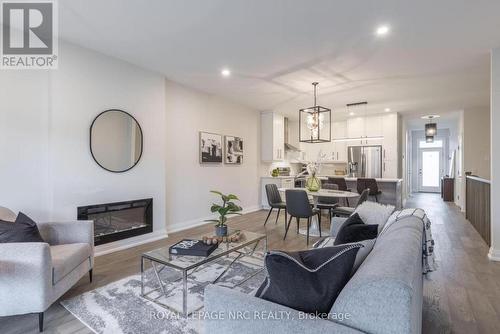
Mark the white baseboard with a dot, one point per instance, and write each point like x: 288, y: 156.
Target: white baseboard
x: 494, y: 254
x: 130, y: 242
x: 181, y: 226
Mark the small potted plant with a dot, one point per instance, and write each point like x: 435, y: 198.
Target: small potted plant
x: 228, y: 207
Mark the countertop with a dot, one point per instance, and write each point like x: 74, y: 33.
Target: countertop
x: 323, y: 177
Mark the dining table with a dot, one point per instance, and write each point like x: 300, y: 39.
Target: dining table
x: 315, y: 195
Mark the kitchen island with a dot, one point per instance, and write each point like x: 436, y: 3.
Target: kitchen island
x: 392, y: 190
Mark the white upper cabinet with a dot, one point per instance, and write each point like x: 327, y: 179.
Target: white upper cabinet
x: 272, y: 136
x: 374, y: 126
x: 339, y: 130
x: 356, y: 127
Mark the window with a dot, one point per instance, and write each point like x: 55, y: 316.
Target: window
x: 435, y: 144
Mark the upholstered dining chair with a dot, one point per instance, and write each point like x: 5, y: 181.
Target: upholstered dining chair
x: 346, y: 211
x: 275, y: 202
x: 368, y: 183
x: 342, y: 184
x: 328, y: 203
x: 298, y: 206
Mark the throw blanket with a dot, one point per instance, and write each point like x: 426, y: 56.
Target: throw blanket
x: 428, y: 263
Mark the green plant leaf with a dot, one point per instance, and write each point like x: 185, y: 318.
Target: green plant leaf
x: 211, y: 220
x: 215, y: 207
x: 217, y: 192
x: 231, y: 196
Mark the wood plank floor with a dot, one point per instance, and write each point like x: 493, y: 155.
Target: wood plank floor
x: 462, y: 296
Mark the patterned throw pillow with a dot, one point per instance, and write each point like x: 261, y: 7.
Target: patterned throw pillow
x: 310, y: 280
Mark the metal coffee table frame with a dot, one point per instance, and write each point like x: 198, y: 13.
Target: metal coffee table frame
x: 158, y: 265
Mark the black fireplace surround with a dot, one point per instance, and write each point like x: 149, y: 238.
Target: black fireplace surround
x: 119, y: 220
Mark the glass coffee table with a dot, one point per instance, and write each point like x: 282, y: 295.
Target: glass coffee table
x: 161, y: 258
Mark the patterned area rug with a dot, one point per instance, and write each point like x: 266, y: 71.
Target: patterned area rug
x: 119, y: 308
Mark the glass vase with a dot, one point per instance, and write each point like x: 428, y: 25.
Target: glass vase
x: 313, y: 183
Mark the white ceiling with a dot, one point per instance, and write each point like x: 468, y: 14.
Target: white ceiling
x: 435, y: 59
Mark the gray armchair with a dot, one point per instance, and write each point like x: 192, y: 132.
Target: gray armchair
x: 34, y: 275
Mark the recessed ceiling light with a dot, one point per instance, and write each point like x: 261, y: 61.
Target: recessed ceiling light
x: 387, y: 109
x: 225, y: 72
x: 351, y: 114
x: 382, y: 30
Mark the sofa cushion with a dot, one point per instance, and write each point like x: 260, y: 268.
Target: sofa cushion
x: 65, y: 258
x: 308, y: 281
x: 22, y: 230
x: 375, y: 213
x: 354, y: 229
x: 7, y: 215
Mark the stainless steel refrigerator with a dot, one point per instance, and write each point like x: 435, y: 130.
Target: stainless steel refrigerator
x: 365, y: 161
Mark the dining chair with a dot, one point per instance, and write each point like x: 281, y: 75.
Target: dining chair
x: 328, y: 203
x: 275, y: 202
x: 345, y: 211
x: 342, y: 184
x: 298, y: 206
x: 368, y: 183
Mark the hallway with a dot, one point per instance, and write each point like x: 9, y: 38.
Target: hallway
x: 463, y: 295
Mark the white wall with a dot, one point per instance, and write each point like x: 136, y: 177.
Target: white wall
x: 494, y: 253
x: 476, y: 143
x: 188, y: 182
x: 47, y: 169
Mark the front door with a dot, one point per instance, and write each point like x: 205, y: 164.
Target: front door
x: 430, y: 169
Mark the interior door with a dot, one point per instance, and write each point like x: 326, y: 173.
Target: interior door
x: 430, y: 169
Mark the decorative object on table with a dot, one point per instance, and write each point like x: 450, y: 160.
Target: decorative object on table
x: 192, y: 247
x: 116, y: 140
x: 228, y: 207
x: 210, y: 147
x: 315, y: 123
x: 318, y: 277
x: 215, y: 240
x: 312, y: 168
x: 234, y: 150
x: 354, y: 229
x: 275, y: 172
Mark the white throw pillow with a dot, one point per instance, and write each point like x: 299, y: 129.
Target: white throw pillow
x: 374, y: 213
x: 7, y: 215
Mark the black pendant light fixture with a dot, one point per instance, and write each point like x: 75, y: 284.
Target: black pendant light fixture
x: 430, y: 128
x: 315, y: 123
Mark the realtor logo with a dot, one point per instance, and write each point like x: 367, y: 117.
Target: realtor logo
x: 29, y: 35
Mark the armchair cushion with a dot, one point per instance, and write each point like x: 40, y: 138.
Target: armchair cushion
x: 22, y: 230
x: 65, y: 258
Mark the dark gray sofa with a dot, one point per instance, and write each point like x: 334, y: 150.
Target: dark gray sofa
x: 383, y: 296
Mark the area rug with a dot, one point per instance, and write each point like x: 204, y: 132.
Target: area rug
x: 119, y: 308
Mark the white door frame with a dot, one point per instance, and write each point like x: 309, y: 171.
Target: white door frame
x: 422, y: 188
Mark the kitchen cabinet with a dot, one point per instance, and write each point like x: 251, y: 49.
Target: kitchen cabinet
x: 363, y: 127
x: 390, y: 155
x: 272, y: 137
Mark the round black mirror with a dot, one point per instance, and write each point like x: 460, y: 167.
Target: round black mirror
x: 116, y: 140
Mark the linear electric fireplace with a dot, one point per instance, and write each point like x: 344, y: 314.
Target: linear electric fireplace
x: 120, y: 220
